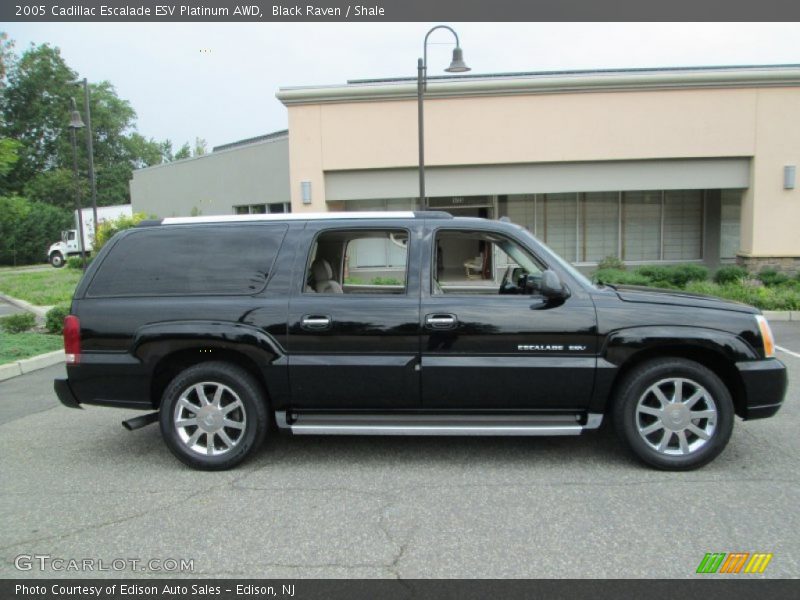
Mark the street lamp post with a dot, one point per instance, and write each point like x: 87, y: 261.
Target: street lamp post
x: 457, y: 65
x: 89, y: 149
x: 76, y: 123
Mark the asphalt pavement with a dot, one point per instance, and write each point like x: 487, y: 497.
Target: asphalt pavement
x: 75, y: 484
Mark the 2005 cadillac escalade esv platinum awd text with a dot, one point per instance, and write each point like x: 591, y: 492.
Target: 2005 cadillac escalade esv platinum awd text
x: 401, y: 324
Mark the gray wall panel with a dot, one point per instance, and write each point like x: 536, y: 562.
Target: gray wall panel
x: 675, y: 174
x: 212, y: 184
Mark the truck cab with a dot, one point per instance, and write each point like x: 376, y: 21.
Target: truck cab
x: 70, y: 245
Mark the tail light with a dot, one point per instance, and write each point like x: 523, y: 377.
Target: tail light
x: 72, y: 339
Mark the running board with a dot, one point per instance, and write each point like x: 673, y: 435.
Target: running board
x: 487, y: 425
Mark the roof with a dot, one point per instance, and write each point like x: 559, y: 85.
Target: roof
x: 267, y: 137
x: 548, y: 82
x: 261, y: 139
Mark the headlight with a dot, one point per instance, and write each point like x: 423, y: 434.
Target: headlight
x: 766, y: 336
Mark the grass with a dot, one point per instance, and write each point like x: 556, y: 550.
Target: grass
x: 16, y: 346
x: 43, y: 288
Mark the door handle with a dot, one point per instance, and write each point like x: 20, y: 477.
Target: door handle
x: 439, y: 321
x: 315, y: 322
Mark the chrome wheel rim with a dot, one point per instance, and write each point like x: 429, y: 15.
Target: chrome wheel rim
x: 676, y: 416
x: 209, y: 418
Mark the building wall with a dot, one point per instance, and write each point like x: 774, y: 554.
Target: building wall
x: 757, y: 123
x: 213, y: 184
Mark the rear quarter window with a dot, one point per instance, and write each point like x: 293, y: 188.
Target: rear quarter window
x: 180, y: 260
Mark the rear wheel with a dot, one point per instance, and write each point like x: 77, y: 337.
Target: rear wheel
x: 674, y: 414
x: 57, y: 260
x: 213, y: 415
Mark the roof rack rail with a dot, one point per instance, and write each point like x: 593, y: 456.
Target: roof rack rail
x: 420, y: 214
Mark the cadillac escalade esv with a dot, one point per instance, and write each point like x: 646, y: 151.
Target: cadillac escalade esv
x: 405, y: 323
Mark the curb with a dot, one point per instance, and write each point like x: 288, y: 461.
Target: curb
x: 28, y: 365
x: 39, y: 311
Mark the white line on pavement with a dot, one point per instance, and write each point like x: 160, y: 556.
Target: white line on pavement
x: 795, y: 354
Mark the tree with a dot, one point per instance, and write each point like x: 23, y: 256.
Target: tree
x: 200, y: 146
x: 28, y: 228
x: 35, y: 109
x: 185, y: 151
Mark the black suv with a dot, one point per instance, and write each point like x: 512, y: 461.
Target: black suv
x: 401, y: 324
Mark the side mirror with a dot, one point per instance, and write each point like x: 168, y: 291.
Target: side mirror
x: 551, y: 286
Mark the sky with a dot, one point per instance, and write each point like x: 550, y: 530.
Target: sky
x: 217, y: 81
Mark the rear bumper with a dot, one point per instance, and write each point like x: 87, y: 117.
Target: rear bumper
x: 764, y: 387
x: 64, y: 393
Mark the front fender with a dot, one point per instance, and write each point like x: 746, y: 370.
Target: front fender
x: 622, y: 345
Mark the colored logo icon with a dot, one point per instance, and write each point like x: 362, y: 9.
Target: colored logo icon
x: 734, y: 562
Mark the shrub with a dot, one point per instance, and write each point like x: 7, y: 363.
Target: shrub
x: 677, y: 276
x: 76, y: 262
x: 771, y: 277
x: 18, y: 323
x: 703, y: 287
x: 731, y: 274
x: 28, y: 228
x: 618, y: 276
x: 54, y: 320
x: 611, y: 262
x: 385, y: 281
x: 107, y: 229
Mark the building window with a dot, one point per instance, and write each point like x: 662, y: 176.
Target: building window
x: 637, y: 226
x: 683, y: 225
x: 599, y: 224
x: 730, y: 223
x: 641, y: 226
x: 261, y: 209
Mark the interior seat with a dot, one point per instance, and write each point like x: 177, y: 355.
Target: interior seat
x: 324, y: 283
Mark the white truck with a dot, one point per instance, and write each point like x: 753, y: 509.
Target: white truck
x: 70, y: 244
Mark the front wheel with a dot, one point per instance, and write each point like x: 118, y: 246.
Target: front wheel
x: 213, y: 415
x: 57, y: 260
x: 674, y: 414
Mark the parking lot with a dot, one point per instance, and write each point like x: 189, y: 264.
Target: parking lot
x: 75, y: 484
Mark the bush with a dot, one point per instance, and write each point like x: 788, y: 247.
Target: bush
x: 732, y: 274
x: 108, y: 229
x: 611, y: 262
x: 771, y: 277
x: 677, y: 276
x: 385, y: 281
x: 28, y: 228
x: 18, y: 323
x: 54, y: 320
x: 618, y: 276
x: 76, y: 262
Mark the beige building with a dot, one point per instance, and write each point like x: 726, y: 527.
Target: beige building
x: 690, y: 164
x: 649, y: 165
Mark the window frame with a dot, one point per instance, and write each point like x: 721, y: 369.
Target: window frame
x: 284, y: 228
x: 354, y: 229
x: 485, y: 232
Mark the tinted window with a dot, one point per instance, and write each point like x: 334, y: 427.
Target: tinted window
x: 190, y: 260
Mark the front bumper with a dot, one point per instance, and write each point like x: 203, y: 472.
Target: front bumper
x: 765, y: 384
x: 64, y: 393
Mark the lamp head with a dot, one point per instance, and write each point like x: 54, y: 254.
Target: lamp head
x: 457, y: 65
x: 75, y: 121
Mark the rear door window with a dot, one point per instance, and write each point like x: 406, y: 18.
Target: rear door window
x: 205, y: 260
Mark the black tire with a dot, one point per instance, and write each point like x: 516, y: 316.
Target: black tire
x: 241, y: 402
x: 57, y: 260
x: 639, y: 409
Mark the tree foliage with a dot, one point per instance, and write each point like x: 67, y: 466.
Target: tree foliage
x: 35, y: 108
x: 28, y: 228
x: 108, y: 228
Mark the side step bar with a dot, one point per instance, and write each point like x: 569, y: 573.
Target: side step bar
x: 486, y: 425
